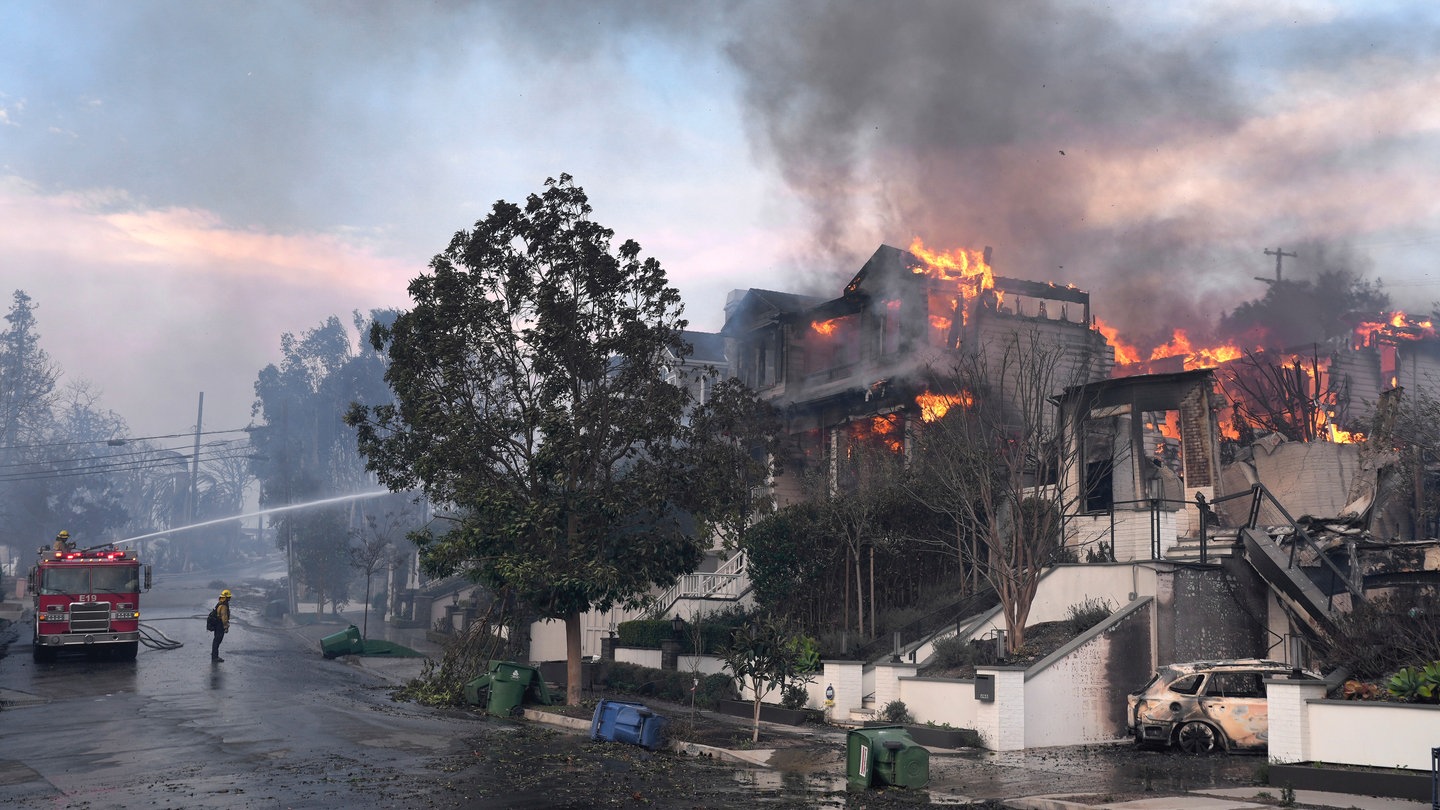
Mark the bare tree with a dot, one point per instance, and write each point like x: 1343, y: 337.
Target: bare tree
x: 993, y: 466
x: 376, y: 550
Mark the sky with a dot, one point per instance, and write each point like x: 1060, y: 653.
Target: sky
x: 183, y: 183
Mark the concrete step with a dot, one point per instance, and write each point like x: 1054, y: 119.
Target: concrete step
x: 1187, y: 549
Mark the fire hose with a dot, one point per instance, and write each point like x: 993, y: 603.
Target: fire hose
x: 148, y: 638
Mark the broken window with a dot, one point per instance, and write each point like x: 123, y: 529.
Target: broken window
x: 1235, y: 684
x: 1098, y: 449
x: 1187, y: 685
x: 1162, y: 439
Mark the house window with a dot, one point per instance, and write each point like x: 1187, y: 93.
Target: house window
x: 1098, y: 449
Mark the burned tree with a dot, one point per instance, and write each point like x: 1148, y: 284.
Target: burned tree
x: 1295, y: 396
x: 993, y: 467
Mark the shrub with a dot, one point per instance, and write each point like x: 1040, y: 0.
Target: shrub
x: 954, y: 652
x: 1419, y: 684
x: 674, y: 686
x: 796, y: 696
x: 896, y: 712
x: 1087, y: 614
x: 1379, y: 636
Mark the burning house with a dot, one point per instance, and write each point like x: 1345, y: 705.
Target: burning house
x: 869, y: 365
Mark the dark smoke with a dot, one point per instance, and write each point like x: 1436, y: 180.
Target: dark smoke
x: 972, y: 124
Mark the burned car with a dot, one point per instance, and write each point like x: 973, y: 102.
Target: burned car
x: 1205, y: 706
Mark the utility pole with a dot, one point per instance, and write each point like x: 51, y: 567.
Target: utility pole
x: 194, y: 463
x: 1279, y: 254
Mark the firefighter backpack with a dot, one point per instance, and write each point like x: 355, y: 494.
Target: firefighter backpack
x: 212, y: 622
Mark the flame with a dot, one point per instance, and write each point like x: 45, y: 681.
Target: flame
x: 826, y: 328
x: 1125, y: 354
x: 1339, y: 436
x: 884, y: 430
x: 938, y: 322
x: 962, y: 265
x: 1395, y: 326
x: 935, y: 406
x: 964, y: 270
x: 1204, y: 357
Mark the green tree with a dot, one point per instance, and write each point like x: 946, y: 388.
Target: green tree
x: 789, y: 555
x: 27, y: 391
x: 533, y: 402
x: 763, y: 657
x: 304, y: 451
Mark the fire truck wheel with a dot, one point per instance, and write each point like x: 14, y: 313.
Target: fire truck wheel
x: 42, y: 654
x: 126, y: 651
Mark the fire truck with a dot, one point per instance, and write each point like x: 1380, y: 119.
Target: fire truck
x: 87, y: 600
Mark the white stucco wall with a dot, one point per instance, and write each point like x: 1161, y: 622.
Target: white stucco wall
x: 638, y: 655
x: 1070, y: 700
x: 942, y: 701
x: 1067, y: 585
x: 1378, y: 735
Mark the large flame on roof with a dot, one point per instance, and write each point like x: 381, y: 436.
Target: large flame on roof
x: 961, y: 265
x: 1202, y: 357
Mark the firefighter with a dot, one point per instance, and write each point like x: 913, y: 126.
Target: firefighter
x: 222, y: 612
x: 62, y: 541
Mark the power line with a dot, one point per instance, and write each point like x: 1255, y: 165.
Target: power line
x: 83, y: 467
x: 121, y: 441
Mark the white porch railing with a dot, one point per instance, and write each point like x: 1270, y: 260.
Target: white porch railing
x: 729, y: 582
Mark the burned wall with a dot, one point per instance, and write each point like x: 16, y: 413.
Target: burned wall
x: 1208, y: 612
x: 1307, y: 478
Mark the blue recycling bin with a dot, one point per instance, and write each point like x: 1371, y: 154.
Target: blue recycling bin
x: 633, y: 723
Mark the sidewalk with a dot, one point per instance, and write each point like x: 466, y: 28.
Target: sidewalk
x: 1246, y: 798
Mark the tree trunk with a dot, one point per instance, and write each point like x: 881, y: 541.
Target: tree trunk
x: 572, y: 659
x: 755, y: 729
x: 860, y: 595
x: 872, y: 592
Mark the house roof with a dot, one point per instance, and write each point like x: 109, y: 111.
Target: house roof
x: 757, y: 305
x: 708, y: 347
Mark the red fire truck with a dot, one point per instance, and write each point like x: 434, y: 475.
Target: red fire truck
x: 87, y: 600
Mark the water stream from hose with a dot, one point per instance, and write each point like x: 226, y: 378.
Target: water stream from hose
x: 272, y: 510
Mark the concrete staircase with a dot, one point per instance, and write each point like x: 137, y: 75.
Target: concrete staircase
x: 1220, y: 544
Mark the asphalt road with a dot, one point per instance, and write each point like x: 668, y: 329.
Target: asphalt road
x: 274, y: 725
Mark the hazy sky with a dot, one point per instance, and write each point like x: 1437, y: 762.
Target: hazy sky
x: 182, y: 182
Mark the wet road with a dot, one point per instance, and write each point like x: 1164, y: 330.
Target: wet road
x: 275, y: 725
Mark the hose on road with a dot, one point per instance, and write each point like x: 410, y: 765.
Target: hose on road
x: 148, y: 638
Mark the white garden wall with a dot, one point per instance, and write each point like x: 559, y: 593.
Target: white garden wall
x: 1304, y: 727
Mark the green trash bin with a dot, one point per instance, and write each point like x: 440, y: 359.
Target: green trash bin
x: 510, y: 685
x: 885, y: 755
x: 347, y: 642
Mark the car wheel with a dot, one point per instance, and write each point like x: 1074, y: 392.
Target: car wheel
x: 1198, y: 738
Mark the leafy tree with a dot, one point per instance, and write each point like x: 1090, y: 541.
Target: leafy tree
x: 532, y: 400
x: 27, y: 392
x: 991, y: 467
x: 763, y: 657
x: 789, y: 555
x: 86, y: 497
x: 304, y: 449
x: 322, y: 558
